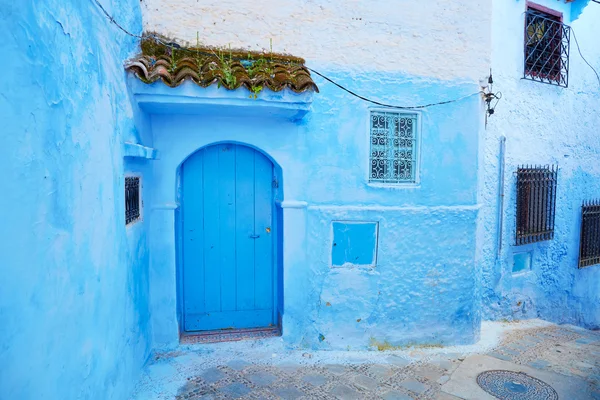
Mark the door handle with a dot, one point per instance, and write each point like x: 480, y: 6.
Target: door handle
x: 254, y: 236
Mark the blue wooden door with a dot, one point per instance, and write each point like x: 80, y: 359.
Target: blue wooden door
x: 227, y: 239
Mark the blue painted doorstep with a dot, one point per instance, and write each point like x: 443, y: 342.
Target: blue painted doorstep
x: 227, y: 239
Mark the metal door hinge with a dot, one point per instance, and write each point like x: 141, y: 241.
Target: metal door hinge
x: 275, y: 183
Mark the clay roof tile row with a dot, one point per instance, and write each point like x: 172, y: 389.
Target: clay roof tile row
x: 204, y: 69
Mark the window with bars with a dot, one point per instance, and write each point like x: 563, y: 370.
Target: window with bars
x: 589, y: 240
x: 536, y: 203
x: 132, y: 199
x: 547, y: 45
x: 394, y: 146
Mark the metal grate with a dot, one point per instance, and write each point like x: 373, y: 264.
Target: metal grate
x: 393, y: 147
x: 589, y: 241
x: 132, y: 199
x: 536, y: 202
x: 547, y: 45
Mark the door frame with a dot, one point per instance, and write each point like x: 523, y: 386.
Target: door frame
x: 277, y: 226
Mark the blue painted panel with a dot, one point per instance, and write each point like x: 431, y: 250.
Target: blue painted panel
x: 228, y: 244
x: 211, y: 229
x: 263, y: 229
x: 354, y: 243
x: 193, y: 249
x: 226, y: 188
x: 245, y: 227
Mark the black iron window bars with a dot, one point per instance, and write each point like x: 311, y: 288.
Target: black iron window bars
x: 132, y: 199
x: 589, y: 240
x: 536, y: 203
x: 547, y: 44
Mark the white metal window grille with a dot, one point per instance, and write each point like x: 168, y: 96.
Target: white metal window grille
x: 393, y: 157
x: 132, y: 199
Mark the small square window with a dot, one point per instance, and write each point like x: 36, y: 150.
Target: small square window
x: 394, y: 146
x: 132, y: 199
x: 536, y: 203
x: 546, y: 48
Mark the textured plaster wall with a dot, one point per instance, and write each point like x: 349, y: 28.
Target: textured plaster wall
x: 423, y: 289
x: 543, y: 124
x: 74, y: 317
x: 437, y: 38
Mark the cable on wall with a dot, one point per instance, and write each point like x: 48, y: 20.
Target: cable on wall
x: 586, y: 61
x: 389, y: 105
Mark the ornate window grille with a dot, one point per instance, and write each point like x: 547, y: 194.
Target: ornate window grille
x: 536, y: 203
x: 589, y: 241
x: 132, y: 199
x: 547, y: 44
x: 393, y: 157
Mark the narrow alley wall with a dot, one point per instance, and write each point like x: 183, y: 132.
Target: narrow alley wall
x: 543, y: 124
x: 74, y: 321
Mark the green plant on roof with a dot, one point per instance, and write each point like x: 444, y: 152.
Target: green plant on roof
x: 255, y: 91
x: 173, y: 61
x: 229, y: 78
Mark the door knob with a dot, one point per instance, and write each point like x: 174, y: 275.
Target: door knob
x: 254, y: 236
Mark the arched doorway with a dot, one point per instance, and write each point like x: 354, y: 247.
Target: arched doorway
x: 229, y: 239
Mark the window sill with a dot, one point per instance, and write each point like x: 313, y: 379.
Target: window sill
x: 394, y: 186
x: 133, y: 224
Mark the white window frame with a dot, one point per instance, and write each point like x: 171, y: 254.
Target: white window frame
x: 141, y: 201
x: 417, y: 149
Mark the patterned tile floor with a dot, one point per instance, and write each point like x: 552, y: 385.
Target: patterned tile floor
x: 264, y: 369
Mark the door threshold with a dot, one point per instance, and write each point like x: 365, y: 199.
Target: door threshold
x: 228, y: 335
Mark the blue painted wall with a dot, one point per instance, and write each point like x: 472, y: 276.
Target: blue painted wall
x: 74, y: 317
x: 543, y: 124
x: 423, y: 288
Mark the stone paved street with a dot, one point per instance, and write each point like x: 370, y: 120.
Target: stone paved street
x: 566, y: 357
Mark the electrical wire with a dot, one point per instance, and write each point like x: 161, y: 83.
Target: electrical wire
x: 586, y: 61
x: 389, y: 105
x: 110, y: 17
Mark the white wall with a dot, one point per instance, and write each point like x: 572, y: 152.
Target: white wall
x: 437, y: 38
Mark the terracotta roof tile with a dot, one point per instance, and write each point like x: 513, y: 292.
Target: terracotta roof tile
x: 232, y: 70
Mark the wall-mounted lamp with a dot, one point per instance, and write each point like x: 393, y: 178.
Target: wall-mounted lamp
x: 491, y: 99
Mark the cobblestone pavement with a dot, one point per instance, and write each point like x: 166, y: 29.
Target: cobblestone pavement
x: 263, y: 369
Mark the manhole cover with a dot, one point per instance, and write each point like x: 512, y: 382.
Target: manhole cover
x: 509, y: 385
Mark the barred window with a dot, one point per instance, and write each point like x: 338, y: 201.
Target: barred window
x: 132, y: 199
x: 536, y: 203
x: 546, y: 48
x: 589, y: 241
x: 394, y: 139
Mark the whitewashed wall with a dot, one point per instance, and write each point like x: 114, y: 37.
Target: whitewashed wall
x: 434, y: 38
x: 543, y: 124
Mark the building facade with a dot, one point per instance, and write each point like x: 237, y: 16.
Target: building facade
x: 229, y: 175
x: 544, y: 124
x: 377, y: 205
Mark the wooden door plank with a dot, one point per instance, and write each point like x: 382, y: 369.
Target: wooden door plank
x: 227, y: 226
x: 263, y: 221
x: 212, y: 253
x: 193, y: 257
x: 244, y: 243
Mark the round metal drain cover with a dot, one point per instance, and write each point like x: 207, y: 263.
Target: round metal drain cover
x: 509, y: 385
